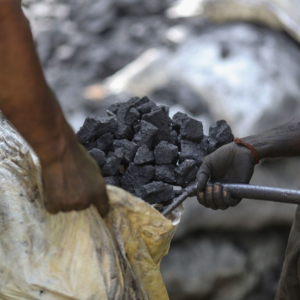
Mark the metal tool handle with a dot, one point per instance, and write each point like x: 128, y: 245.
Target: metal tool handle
x: 253, y: 192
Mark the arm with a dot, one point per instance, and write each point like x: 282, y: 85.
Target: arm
x: 71, y: 178
x: 235, y: 164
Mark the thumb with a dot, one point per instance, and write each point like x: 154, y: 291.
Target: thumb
x: 204, y: 173
x: 102, y: 203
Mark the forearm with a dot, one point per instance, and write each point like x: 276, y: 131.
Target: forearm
x: 25, y: 97
x: 280, y: 141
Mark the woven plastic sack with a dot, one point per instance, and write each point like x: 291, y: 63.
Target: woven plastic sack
x: 76, y: 255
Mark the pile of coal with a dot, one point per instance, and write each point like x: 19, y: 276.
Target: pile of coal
x: 141, y: 149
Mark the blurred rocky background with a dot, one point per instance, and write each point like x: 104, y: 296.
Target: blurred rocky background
x: 236, y: 60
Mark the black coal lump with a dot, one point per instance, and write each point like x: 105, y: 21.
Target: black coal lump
x: 137, y: 102
x: 99, y: 156
x: 145, y: 135
x: 112, y: 165
x: 159, y: 118
x: 156, y: 192
x: 105, y: 142
x: 112, y: 180
x: 127, y: 149
x: 219, y: 134
x: 94, y: 127
x: 126, y: 116
x: 114, y: 108
x: 177, y: 120
x: 143, y: 156
x: 191, y: 129
x: 192, y: 150
x: 165, y: 173
x: 146, y: 107
x: 136, y: 176
x: 165, y: 153
x: 186, y: 172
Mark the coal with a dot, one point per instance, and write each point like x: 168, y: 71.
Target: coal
x: 136, y: 102
x: 126, y: 116
x: 99, y: 156
x: 219, y: 134
x: 159, y: 118
x: 186, y: 172
x: 126, y: 149
x: 137, y: 176
x: 165, y: 173
x: 165, y: 153
x: 112, y: 165
x: 94, y: 127
x: 142, y: 150
x: 156, y: 192
x: 177, y: 120
x: 144, y: 156
x: 112, y: 180
x: 105, y: 142
x: 193, y: 150
x: 114, y: 108
x: 146, y: 134
x: 191, y: 129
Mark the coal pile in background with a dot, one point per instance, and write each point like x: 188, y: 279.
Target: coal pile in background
x: 141, y: 149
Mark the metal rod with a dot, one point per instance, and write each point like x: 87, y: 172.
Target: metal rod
x: 243, y: 191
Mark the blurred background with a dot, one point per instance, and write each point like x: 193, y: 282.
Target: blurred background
x: 237, y: 60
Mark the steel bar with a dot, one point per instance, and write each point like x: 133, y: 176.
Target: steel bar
x: 253, y: 192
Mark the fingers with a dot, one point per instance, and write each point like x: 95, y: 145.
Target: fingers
x: 215, y: 197
x: 228, y: 199
x: 102, y: 203
x: 204, y: 173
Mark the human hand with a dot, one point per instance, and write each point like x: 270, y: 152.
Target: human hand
x: 74, y: 182
x: 229, y: 164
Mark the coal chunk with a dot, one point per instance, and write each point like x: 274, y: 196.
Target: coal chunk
x: 159, y: 118
x: 146, y: 108
x: 186, y: 172
x: 156, y: 192
x: 144, y: 156
x: 136, y: 126
x: 146, y: 134
x: 191, y: 129
x: 105, y: 142
x: 177, y: 120
x: 136, y: 102
x: 90, y: 146
x: 112, y: 180
x: 165, y: 173
x: 126, y: 149
x: 99, y: 156
x: 112, y: 165
x: 136, y: 176
x: 193, y: 150
x: 126, y: 116
x: 94, y: 127
x: 114, y: 108
x: 219, y: 134
x: 165, y: 153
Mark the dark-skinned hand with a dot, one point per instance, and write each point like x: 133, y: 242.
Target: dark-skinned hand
x: 229, y: 164
x: 74, y: 182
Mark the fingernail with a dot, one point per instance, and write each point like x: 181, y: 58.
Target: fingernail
x: 201, y: 194
x: 209, y: 189
x: 217, y: 188
x: 224, y: 193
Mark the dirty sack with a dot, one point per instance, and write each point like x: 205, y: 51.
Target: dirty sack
x: 76, y: 255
